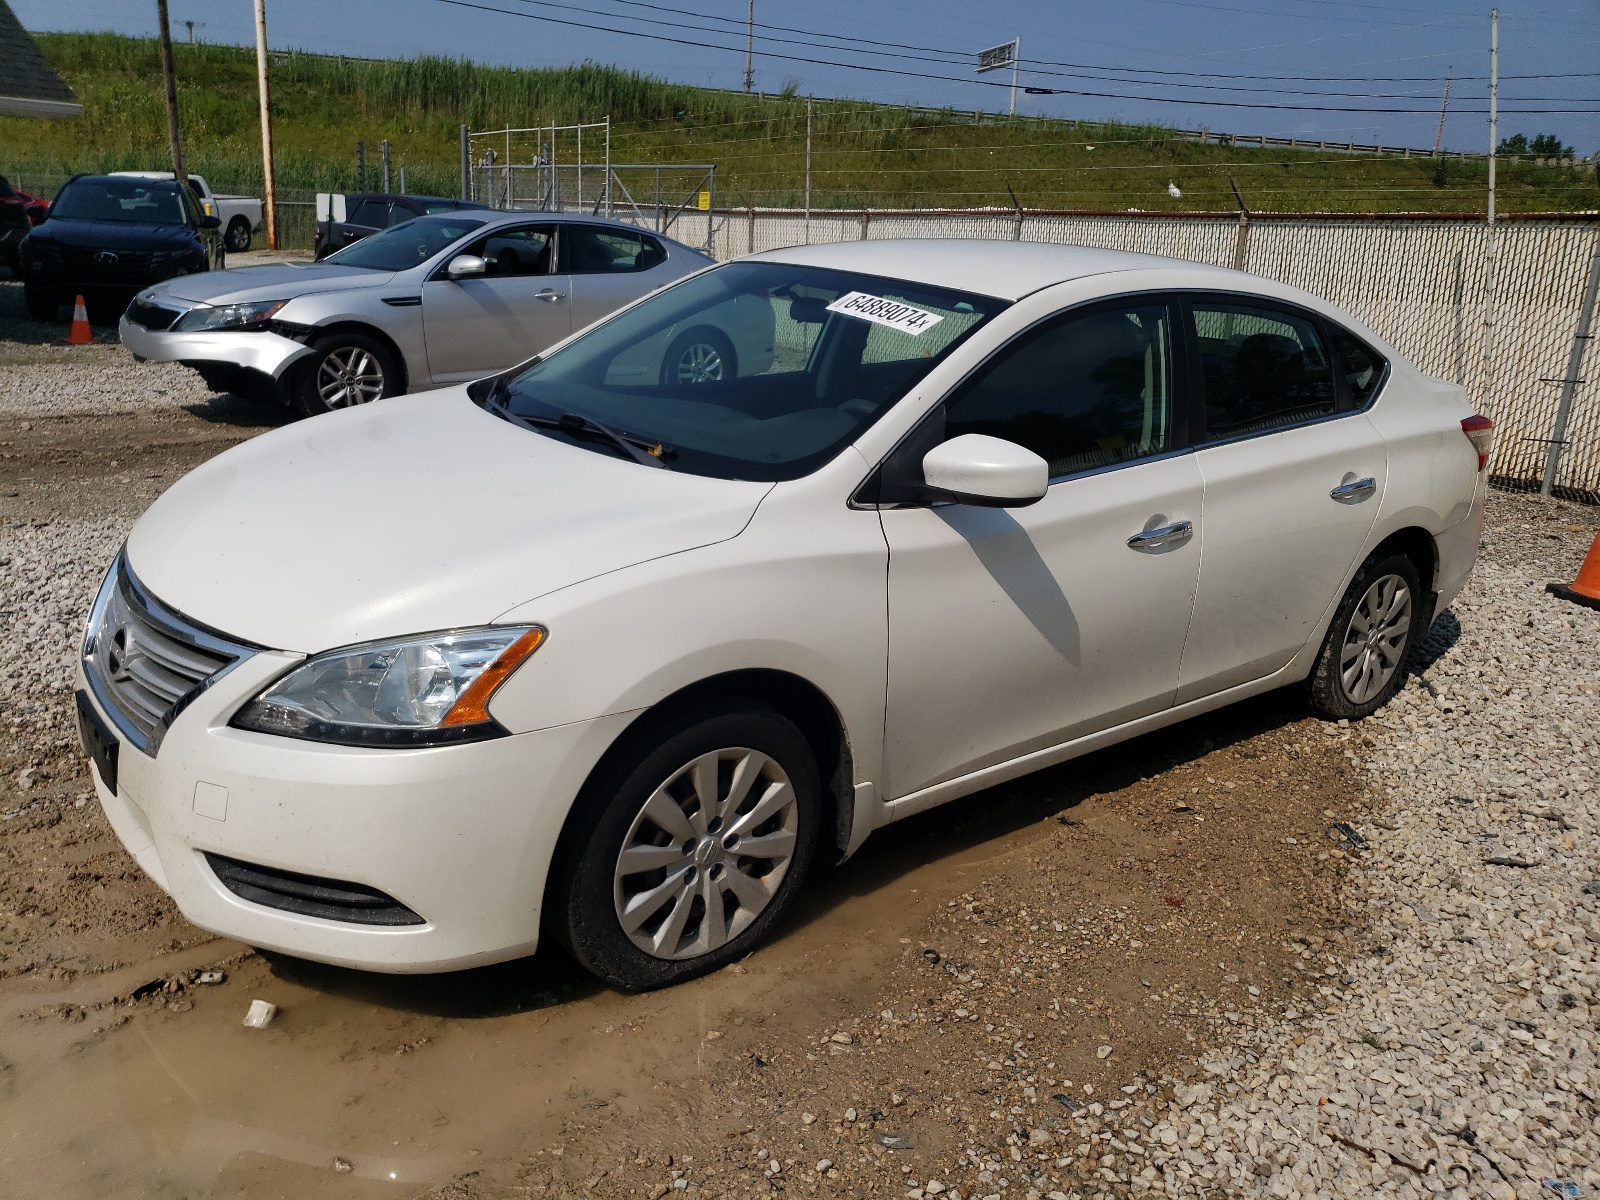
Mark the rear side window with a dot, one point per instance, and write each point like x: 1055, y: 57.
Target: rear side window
x: 593, y: 251
x: 374, y: 214
x: 1363, y: 366
x: 1264, y: 368
x: 1084, y: 391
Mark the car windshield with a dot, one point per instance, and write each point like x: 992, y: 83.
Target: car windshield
x: 134, y: 201
x: 401, y: 247
x: 754, y: 370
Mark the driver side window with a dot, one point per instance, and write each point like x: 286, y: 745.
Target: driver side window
x: 1083, y: 391
x: 520, y: 250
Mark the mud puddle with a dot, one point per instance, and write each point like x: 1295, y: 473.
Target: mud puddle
x: 119, y: 1083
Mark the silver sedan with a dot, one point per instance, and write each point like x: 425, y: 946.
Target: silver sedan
x: 438, y: 300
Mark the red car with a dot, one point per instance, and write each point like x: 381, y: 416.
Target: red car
x: 16, y: 220
x: 38, y: 209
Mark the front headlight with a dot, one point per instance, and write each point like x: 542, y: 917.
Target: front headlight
x: 229, y: 316
x: 414, y: 692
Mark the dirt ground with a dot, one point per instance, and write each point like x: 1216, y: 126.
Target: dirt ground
x: 975, y: 975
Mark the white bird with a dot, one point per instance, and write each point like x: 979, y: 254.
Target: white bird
x: 1174, y: 190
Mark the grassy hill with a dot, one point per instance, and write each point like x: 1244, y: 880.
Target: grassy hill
x: 863, y: 153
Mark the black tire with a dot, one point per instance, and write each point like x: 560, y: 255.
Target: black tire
x: 378, y: 373
x: 42, y: 305
x: 699, y: 356
x: 238, y: 236
x: 1362, y: 663
x: 586, y: 893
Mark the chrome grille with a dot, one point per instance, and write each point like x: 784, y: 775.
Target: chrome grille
x: 146, y: 662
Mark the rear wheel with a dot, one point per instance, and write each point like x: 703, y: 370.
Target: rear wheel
x: 1362, y: 661
x: 699, y: 356
x: 693, y: 849
x: 238, y: 235
x: 42, y: 305
x: 344, y: 370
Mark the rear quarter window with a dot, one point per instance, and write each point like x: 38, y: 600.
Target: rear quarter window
x: 1363, y: 367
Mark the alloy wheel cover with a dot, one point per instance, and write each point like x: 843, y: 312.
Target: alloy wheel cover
x: 1375, y: 639
x: 706, y: 853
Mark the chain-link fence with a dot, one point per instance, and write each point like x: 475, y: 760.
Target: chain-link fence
x: 1420, y: 282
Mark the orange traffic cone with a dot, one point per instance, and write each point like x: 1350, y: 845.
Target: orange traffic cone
x: 80, y: 335
x: 1585, y: 589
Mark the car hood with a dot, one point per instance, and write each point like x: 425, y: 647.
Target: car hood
x: 115, y: 235
x: 410, y: 515
x: 283, y: 281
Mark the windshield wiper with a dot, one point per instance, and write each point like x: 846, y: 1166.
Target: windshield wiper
x: 650, y: 454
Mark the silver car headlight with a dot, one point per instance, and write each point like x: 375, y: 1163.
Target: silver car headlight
x: 229, y: 316
x: 429, y: 690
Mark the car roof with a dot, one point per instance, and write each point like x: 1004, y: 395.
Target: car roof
x: 1004, y: 270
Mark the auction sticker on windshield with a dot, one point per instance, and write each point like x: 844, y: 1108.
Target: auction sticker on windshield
x: 892, y: 313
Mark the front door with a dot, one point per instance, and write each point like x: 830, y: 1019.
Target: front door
x: 477, y: 326
x: 1293, y: 480
x: 1014, y: 630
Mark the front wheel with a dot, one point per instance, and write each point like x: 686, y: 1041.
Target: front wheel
x: 692, y: 850
x: 343, y: 370
x: 1362, y: 661
x: 238, y: 236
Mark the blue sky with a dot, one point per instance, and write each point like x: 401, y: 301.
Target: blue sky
x: 1207, y: 45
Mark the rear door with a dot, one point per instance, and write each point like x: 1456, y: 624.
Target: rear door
x: 1293, y: 480
x: 609, y: 267
x: 477, y: 326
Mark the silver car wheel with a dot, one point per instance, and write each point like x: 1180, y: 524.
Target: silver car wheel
x: 349, y: 375
x: 700, y: 363
x: 1375, y: 639
x: 706, y: 853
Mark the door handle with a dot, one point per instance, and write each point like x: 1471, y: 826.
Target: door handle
x: 1354, y: 493
x: 551, y: 295
x: 1159, y: 539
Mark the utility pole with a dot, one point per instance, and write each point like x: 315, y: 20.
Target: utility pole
x: 808, y: 170
x: 1490, y: 247
x: 269, y: 185
x: 750, y: 48
x: 1574, y: 375
x: 173, y: 136
x: 1016, y: 58
x: 1438, y: 138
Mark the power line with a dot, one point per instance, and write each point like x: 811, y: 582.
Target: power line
x: 965, y: 56
x: 958, y: 59
x: 661, y: 37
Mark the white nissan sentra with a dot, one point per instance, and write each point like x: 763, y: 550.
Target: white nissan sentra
x: 597, y: 651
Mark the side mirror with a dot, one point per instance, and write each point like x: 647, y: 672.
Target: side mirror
x: 210, y: 222
x: 808, y: 310
x: 986, y: 471
x: 466, y: 266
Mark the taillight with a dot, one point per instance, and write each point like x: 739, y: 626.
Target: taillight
x: 1480, y: 432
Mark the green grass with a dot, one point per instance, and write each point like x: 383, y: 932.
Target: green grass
x: 868, y: 154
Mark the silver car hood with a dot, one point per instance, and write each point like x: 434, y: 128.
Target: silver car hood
x: 283, y: 281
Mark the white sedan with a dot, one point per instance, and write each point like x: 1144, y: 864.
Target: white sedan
x: 601, y: 651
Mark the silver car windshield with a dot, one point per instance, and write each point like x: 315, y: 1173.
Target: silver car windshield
x: 401, y: 247
x: 754, y: 370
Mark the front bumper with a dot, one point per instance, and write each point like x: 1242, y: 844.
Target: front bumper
x: 269, y: 353
x: 463, y: 835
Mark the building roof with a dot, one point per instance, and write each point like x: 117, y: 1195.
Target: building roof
x: 29, y: 85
